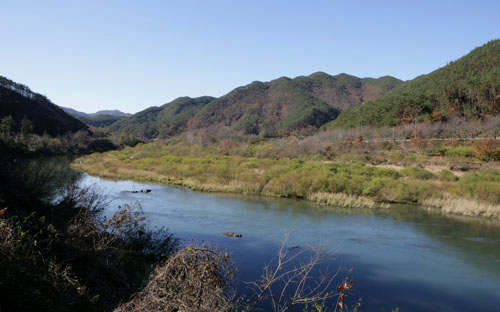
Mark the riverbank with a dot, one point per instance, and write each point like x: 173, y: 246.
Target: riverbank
x: 336, y: 183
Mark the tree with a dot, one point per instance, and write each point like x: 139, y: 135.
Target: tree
x: 26, y: 127
x: 6, y: 126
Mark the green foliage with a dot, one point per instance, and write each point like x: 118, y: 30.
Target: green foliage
x: 7, y: 126
x: 485, y: 186
x: 26, y: 126
x: 101, y: 121
x: 457, y: 151
x: 267, y: 176
x: 405, y: 159
x: 261, y: 169
x: 276, y: 108
x: 417, y: 173
x: 164, y: 121
x: 447, y: 175
x: 250, y: 123
x: 468, y: 87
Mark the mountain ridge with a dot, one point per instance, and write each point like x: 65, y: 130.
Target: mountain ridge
x: 18, y: 101
x: 468, y: 87
x: 77, y: 113
x: 273, y: 108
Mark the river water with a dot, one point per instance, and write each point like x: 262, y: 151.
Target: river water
x: 404, y: 257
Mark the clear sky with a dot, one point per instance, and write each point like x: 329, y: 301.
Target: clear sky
x: 129, y: 55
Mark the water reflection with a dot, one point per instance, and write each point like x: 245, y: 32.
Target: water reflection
x: 403, y: 257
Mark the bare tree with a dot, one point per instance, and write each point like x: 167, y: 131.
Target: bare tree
x: 289, y: 281
x: 200, y: 278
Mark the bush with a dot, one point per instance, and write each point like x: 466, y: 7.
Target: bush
x: 488, y: 150
x: 484, y: 186
x: 447, y: 175
x: 417, y: 173
x: 457, y: 151
x: 62, y: 254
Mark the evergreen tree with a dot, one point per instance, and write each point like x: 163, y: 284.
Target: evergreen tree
x: 26, y: 127
x: 6, y: 126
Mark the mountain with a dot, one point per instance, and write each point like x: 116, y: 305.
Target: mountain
x: 274, y: 108
x: 18, y: 100
x: 114, y: 112
x: 167, y: 120
x: 76, y: 113
x: 285, y: 105
x: 468, y: 87
x: 100, y: 119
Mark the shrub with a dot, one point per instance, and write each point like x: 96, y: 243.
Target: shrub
x: 62, y: 254
x: 488, y: 150
x: 485, y: 186
x: 375, y: 186
x: 417, y: 173
x: 447, y: 175
x: 457, y: 151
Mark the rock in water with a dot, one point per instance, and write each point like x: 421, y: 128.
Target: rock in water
x: 231, y: 234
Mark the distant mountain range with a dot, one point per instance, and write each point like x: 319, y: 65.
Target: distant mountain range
x: 76, y: 113
x: 468, y: 87
x: 274, y: 108
x: 100, y: 119
x: 18, y: 101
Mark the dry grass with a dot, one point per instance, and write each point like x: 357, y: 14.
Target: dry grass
x: 232, y: 186
x: 344, y: 200
x: 396, y: 178
x: 6, y: 235
x: 465, y: 207
x: 197, y: 278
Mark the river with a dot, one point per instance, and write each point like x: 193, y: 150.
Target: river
x: 404, y: 257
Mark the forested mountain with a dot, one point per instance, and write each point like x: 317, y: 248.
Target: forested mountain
x: 285, y: 105
x: 468, y: 87
x: 166, y: 120
x: 114, y: 112
x: 100, y: 119
x: 74, y: 112
x: 274, y: 108
x: 19, y: 101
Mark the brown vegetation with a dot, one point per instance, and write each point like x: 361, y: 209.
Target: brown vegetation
x: 200, y: 278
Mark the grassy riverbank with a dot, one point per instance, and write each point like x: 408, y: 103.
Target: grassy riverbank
x: 344, y: 181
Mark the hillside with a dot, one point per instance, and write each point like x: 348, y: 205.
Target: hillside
x: 76, y: 113
x: 285, y: 105
x: 113, y: 112
x: 99, y: 119
x: 468, y: 87
x: 18, y: 100
x: 274, y: 108
x: 166, y: 120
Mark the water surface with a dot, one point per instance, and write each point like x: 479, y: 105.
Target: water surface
x: 403, y: 257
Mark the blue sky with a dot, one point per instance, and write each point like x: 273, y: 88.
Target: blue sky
x: 130, y: 55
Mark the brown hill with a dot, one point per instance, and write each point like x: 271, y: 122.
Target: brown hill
x: 279, y: 107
